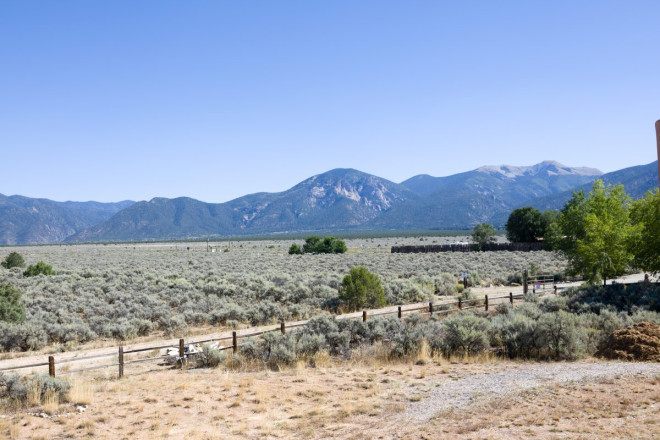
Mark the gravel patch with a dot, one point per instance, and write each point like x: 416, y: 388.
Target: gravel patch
x: 462, y: 392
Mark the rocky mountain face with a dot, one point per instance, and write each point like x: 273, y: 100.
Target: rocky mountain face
x: 340, y: 199
x: 337, y: 199
x: 25, y: 220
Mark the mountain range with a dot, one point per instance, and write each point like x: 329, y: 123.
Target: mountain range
x: 339, y: 200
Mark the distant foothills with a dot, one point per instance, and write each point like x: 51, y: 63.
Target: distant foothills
x: 344, y: 200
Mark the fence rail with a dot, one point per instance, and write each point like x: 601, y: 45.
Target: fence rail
x: 182, y: 355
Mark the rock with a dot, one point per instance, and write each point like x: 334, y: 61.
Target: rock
x: 81, y: 408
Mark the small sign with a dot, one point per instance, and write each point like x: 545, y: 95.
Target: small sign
x: 464, y: 274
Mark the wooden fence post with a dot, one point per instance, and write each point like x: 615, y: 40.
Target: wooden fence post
x: 486, y: 302
x: 234, y: 342
x: 555, y: 289
x: 431, y: 308
x: 182, y: 351
x: 51, y: 366
x: 364, y: 316
x: 282, y: 327
x: 511, y: 297
x: 460, y: 303
x: 399, y: 312
x: 121, y: 361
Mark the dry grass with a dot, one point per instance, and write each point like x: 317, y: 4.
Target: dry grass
x: 360, y: 398
x: 81, y: 393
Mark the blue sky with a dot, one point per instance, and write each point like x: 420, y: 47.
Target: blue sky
x: 114, y: 100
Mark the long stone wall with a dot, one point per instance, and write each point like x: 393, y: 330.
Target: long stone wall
x: 522, y: 247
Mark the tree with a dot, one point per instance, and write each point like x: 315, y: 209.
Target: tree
x: 295, y: 250
x: 483, y: 234
x: 361, y: 288
x: 525, y: 225
x: 40, y: 268
x: 645, y: 245
x: 14, y: 259
x: 325, y: 245
x: 594, y: 232
x: 312, y: 244
x: 11, y: 308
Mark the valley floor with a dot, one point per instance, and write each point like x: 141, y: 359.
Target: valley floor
x: 363, y: 398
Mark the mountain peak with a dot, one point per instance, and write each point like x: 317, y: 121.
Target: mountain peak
x: 545, y: 168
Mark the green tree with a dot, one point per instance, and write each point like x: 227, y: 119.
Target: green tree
x: 325, y: 245
x: 14, y: 259
x: 525, y: 225
x: 40, y: 268
x: 295, y: 250
x: 361, y: 288
x: 11, y: 308
x: 594, y: 232
x: 645, y: 245
x: 312, y: 244
x: 482, y: 234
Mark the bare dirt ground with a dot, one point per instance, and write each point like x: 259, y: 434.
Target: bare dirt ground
x: 365, y: 398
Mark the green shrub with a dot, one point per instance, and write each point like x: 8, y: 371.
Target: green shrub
x: 40, y: 268
x: 26, y: 336
x: 11, y: 308
x: 209, y: 357
x: 325, y: 245
x: 14, y: 259
x: 295, y: 250
x: 464, y: 334
x: 19, y: 388
x: 518, y: 334
x: 562, y: 338
x: 361, y: 288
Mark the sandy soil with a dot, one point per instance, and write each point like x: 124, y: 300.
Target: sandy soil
x: 365, y: 398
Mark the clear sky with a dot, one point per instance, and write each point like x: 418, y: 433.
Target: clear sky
x: 113, y: 100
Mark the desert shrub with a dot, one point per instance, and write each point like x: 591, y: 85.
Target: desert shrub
x: 464, y: 334
x: 467, y: 295
x: 404, y: 291
x: 310, y: 344
x: 14, y: 259
x: 11, y: 307
x: 23, y: 337
x: 278, y: 349
x: 361, y: 288
x: 251, y: 350
x: 383, y: 327
x: 39, y: 268
x: 18, y: 388
x: 73, y: 332
x: 553, y: 304
x: 173, y: 325
x: 622, y: 297
x: 446, y: 285
x: 530, y: 310
x: 517, y: 333
x: 562, y: 338
x: 408, y: 339
x: 209, y: 357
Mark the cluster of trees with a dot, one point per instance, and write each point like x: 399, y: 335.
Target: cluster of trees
x: 318, y: 245
x: 602, y: 234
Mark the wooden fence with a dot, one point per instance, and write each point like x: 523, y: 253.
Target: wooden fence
x: 232, y: 342
x: 472, y: 247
